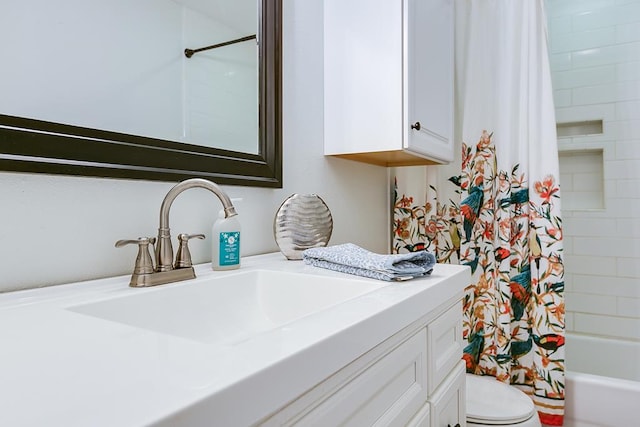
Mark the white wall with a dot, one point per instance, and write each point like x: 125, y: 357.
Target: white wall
x: 56, y: 229
x: 595, y: 56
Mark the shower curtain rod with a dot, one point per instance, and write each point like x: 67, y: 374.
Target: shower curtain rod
x: 189, y: 52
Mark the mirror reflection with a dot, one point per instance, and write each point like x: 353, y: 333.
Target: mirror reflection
x: 119, y: 65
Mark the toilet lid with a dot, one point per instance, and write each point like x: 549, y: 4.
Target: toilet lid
x: 491, y: 402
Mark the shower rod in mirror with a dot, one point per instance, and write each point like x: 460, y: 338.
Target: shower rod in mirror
x: 189, y: 52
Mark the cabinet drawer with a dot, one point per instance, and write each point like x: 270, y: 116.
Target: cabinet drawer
x: 388, y: 391
x: 444, y: 345
x: 448, y: 403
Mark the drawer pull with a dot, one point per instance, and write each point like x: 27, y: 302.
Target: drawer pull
x: 417, y: 126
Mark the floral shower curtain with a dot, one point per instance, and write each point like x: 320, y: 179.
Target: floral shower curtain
x: 497, y: 209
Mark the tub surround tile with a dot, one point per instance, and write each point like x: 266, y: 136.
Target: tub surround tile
x: 588, y: 181
x: 626, y: 33
x: 562, y: 7
x: 623, y: 208
x: 606, y: 16
x: 615, y: 286
x: 628, y: 71
x: 566, y: 181
x: 598, y: 266
x: 579, y: 113
x: 629, y: 226
x: 559, y: 25
x: 590, y: 227
x: 606, y: 93
x: 562, y: 98
x: 629, y: 267
x: 605, y: 247
x: 568, y: 244
x: 628, y: 150
x: 584, y: 77
x: 626, y: 130
x: 605, y: 55
x: 628, y: 307
x: 629, y: 110
x: 583, y: 200
x: 560, y: 61
x: 608, y: 326
x: 581, y: 162
x: 584, y: 40
x: 591, y: 303
x: 568, y: 321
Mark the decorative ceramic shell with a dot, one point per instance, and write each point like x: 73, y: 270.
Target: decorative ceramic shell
x: 302, y: 222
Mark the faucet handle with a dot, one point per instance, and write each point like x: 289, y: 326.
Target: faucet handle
x: 144, y: 263
x: 183, y: 257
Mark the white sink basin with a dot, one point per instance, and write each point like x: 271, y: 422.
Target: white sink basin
x: 229, y: 309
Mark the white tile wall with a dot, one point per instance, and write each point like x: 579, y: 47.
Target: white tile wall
x: 582, y: 179
x: 595, y: 62
x: 612, y: 326
x: 562, y: 98
x: 628, y: 32
x: 584, y: 40
x: 605, y: 247
x: 594, y: 265
x: 566, y: 9
x: 584, y: 77
x: 630, y: 227
x: 628, y: 267
x: 605, y: 93
x: 604, y: 15
x: 628, y: 71
x: 590, y: 227
x: 596, y: 304
x: 560, y: 61
x: 586, y: 283
x: 586, y: 112
x: 628, y: 306
x: 605, y: 55
x: 628, y: 110
x: 623, y: 169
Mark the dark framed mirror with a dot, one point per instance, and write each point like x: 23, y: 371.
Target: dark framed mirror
x: 40, y: 146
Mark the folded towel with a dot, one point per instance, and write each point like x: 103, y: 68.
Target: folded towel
x: 352, y: 259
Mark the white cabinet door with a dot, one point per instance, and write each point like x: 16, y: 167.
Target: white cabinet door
x: 429, y: 88
x: 444, y: 341
x: 362, y: 75
x: 388, y: 64
x: 448, y: 403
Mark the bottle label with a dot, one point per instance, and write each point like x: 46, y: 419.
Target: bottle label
x: 229, y: 248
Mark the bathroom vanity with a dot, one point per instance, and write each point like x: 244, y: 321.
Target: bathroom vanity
x: 274, y: 343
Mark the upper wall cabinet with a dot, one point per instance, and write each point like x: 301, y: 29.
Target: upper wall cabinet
x: 388, y: 89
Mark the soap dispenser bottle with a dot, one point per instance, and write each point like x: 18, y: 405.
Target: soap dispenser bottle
x: 225, y: 254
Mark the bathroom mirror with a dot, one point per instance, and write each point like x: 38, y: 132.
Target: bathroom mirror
x: 158, y: 131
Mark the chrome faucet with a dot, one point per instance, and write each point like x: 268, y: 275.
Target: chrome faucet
x: 166, y: 271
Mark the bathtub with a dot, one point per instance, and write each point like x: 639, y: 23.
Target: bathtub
x: 596, y: 393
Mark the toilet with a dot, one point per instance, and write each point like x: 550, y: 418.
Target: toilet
x: 490, y: 402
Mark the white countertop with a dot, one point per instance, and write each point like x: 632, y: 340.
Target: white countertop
x: 62, y: 368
